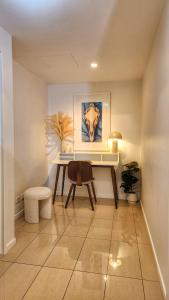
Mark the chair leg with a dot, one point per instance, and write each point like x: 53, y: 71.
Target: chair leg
x: 68, y: 197
x: 74, y: 191
x: 90, y: 196
x: 94, y: 194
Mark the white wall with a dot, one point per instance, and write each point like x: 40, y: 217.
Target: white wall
x: 30, y: 110
x: 155, y: 145
x: 125, y: 117
x: 7, y: 146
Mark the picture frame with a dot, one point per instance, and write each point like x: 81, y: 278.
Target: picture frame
x: 92, y: 122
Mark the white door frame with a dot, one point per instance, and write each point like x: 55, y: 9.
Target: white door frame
x: 7, y: 194
x: 1, y: 167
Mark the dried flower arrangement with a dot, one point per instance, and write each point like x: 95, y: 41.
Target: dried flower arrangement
x: 59, y: 124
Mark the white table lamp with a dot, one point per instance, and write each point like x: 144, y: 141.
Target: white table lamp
x: 115, y: 136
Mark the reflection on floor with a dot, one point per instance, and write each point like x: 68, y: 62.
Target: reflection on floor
x: 80, y: 255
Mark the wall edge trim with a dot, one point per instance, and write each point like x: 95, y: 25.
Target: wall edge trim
x: 155, y: 254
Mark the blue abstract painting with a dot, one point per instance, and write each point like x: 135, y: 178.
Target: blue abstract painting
x: 92, y: 122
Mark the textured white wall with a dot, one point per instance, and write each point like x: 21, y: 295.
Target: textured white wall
x: 7, y: 163
x: 125, y: 117
x: 30, y: 110
x: 155, y: 145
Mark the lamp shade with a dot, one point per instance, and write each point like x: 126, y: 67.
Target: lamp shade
x: 115, y: 135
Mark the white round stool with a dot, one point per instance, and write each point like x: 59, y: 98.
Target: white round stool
x: 37, y: 202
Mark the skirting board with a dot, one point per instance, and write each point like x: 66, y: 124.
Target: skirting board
x: 155, y: 255
x: 83, y: 193
x: 9, y: 245
x: 19, y: 207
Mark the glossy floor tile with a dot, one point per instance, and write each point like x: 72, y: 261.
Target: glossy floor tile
x: 119, y: 288
x: 124, y: 260
x: 57, y: 225
x: 50, y: 284
x: 22, y: 241
x: 104, y: 212
x: 85, y: 286
x: 19, y: 223
x: 94, y: 256
x: 152, y: 290
x: 123, y: 212
x: 16, y: 281
x: 33, y: 227
x: 141, y: 232
x: 100, y: 229
x: 78, y: 227
x: 65, y: 253
x: 137, y: 213
x: 124, y: 231
x: 82, y: 255
x: 4, y: 265
x: 37, y: 252
x: 148, y: 265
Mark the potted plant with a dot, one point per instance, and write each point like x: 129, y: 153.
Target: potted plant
x: 130, y: 178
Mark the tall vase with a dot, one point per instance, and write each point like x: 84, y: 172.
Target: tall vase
x: 62, y: 146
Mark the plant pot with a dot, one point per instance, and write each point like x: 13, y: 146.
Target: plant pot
x: 132, y: 198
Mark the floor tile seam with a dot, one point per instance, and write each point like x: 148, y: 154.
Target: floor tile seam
x: 85, y: 238
x: 32, y: 243
x: 3, y: 273
x: 75, y: 265
x: 31, y: 283
x: 74, y: 270
x: 105, y: 287
x: 54, y: 246
x: 15, y: 259
x: 139, y: 260
x: 34, y: 240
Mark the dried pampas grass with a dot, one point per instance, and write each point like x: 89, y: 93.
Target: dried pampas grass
x: 60, y: 124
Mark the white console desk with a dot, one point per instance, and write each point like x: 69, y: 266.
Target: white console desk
x: 97, y: 160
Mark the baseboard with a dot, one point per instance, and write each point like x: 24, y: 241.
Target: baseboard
x: 155, y: 255
x: 9, y: 245
x: 82, y: 193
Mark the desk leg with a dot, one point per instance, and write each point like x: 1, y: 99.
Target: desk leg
x: 56, y: 182
x: 114, y: 182
x: 63, y: 179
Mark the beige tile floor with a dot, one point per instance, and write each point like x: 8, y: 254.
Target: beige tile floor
x: 80, y: 254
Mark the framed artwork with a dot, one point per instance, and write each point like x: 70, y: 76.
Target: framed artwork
x: 91, y: 122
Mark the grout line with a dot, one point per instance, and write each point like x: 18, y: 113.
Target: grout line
x: 104, y: 294
x: 85, y: 238
x: 31, y: 283
x: 139, y: 257
x: 11, y: 263
x: 42, y: 265
x: 77, y: 259
x: 14, y: 260
x: 57, y: 240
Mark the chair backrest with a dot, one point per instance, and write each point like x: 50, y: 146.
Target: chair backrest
x: 80, y: 172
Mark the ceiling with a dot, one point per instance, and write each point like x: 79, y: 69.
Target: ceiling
x: 58, y: 39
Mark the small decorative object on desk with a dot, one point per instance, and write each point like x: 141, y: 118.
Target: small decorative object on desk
x: 130, y: 178
x: 60, y: 124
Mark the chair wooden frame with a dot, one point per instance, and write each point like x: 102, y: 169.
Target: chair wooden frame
x: 80, y: 173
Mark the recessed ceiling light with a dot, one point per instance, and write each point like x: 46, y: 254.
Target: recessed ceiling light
x: 94, y: 65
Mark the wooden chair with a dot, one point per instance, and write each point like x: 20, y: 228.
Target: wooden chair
x: 80, y: 173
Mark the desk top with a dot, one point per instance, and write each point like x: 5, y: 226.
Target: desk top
x: 96, y: 159
x: 93, y: 163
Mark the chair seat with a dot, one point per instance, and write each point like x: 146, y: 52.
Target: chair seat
x: 38, y: 193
